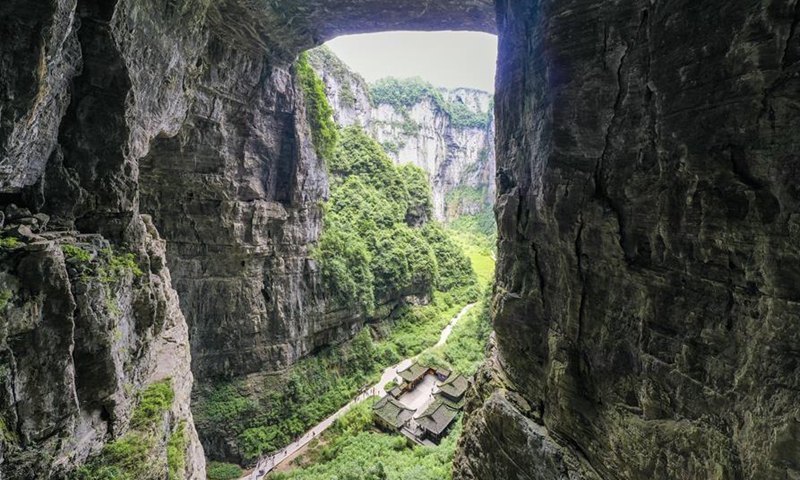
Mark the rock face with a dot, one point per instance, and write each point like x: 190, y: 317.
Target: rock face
x: 237, y: 194
x: 80, y: 338
x: 77, y: 112
x: 459, y: 159
x: 646, y: 305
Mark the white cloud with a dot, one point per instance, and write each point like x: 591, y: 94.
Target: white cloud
x: 446, y: 59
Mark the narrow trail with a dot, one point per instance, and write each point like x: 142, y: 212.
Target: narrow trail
x: 267, y: 464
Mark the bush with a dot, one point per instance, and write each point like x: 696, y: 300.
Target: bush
x: 9, y: 242
x: 5, y: 298
x: 74, y: 252
x: 129, y: 458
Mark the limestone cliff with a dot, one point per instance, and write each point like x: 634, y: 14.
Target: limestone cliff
x: 90, y: 319
x: 647, y: 296
x: 86, y: 330
x: 458, y: 157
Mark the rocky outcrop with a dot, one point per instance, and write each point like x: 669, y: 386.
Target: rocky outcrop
x: 83, y: 336
x: 646, y: 305
x: 85, y: 330
x: 459, y: 159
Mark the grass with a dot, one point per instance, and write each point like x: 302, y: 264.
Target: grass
x: 464, y: 350
x: 176, y: 452
x: 9, y: 242
x: 480, y: 250
x: 74, y: 252
x: 5, y: 298
x: 156, y: 399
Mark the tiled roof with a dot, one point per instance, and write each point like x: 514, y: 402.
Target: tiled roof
x: 413, y: 372
x: 391, y: 411
x: 437, y: 417
x: 455, y: 386
x: 443, y: 371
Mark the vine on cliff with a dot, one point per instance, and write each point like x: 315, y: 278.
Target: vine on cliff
x: 318, y: 111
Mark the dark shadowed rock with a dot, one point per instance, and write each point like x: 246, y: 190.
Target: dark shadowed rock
x: 647, y: 291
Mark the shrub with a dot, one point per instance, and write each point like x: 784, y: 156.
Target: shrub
x: 5, y: 298
x: 74, y: 252
x: 129, y: 458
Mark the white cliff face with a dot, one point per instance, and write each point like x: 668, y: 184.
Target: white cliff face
x: 457, y: 159
x: 347, y: 92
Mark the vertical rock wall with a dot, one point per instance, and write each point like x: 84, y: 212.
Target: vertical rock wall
x: 647, y: 299
x: 237, y: 192
x: 86, y: 85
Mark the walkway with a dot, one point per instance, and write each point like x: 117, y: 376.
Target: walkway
x: 449, y: 328
x: 390, y: 374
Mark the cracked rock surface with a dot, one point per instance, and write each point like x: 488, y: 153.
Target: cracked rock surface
x: 648, y: 296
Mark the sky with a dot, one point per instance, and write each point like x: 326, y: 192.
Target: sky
x: 445, y: 59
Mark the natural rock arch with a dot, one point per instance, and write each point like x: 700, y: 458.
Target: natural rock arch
x: 647, y: 298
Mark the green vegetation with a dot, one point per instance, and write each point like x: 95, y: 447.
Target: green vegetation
x: 117, y: 265
x: 417, y: 328
x: 316, y: 387
x: 76, y: 253
x: 391, y: 147
x: 367, y: 251
x: 465, y: 348
x: 482, y: 224
x: 420, y: 204
x: 352, y: 451
x: 7, y: 436
x: 318, y: 111
x: 106, y: 265
x: 403, y: 94
x: 9, y: 242
x: 5, y: 298
x: 136, y: 455
x: 156, y: 400
x: 223, y: 471
x: 176, y: 452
